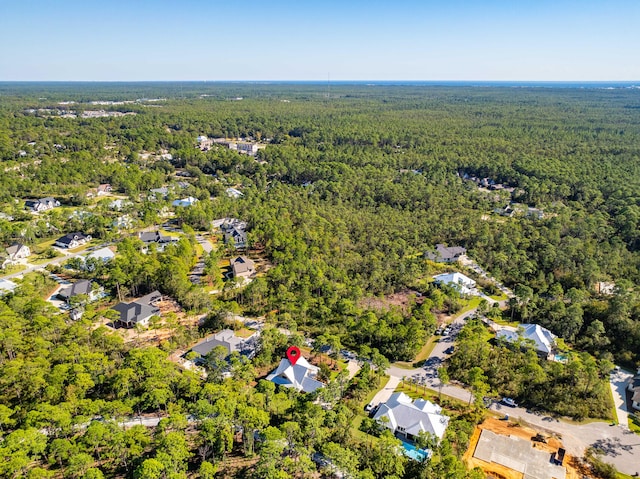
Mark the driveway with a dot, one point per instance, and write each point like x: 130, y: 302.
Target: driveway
x: 385, y: 393
x: 205, y: 243
x: 618, y: 382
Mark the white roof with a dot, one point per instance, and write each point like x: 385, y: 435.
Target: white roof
x: 412, y: 417
x: 300, y: 376
x: 104, y: 254
x: 455, y: 278
x: 7, y: 286
x: 185, y: 201
x: 234, y: 193
x: 542, y: 337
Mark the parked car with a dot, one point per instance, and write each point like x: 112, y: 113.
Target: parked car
x: 509, y: 402
x: 449, y: 350
x: 368, y: 407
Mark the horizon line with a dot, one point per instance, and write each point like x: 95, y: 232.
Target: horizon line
x: 323, y: 81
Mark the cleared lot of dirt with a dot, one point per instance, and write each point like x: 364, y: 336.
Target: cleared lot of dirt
x: 506, y: 428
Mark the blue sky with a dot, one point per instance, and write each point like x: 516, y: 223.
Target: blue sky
x: 570, y: 40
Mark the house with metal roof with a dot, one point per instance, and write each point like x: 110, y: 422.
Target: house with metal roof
x: 83, y: 286
x: 230, y: 341
x: 541, y: 338
x: 300, y: 376
x: 460, y: 282
x: 138, y: 312
x: 446, y: 254
x: 408, y: 418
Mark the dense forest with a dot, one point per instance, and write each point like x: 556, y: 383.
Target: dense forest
x: 354, y: 186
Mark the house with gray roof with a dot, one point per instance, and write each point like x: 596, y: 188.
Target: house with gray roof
x: 7, y: 286
x: 242, y: 267
x: 135, y: 313
x: 541, y: 338
x: 445, y: 254
x: 408, y: 418
x: 83, y: 286
x: 103, y: 254
x: 300, y: 376
x: 43, y: 204
x: 228, y: 340
x: 235, y: 235
x: 157, y: 238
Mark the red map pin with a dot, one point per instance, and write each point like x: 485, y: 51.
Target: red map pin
x: 293, y: 353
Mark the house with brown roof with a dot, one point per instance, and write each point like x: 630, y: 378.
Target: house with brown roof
x: 15, y: 253
x: 446, y: 254
x: 242, y: 267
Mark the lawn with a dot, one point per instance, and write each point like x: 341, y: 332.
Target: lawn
x: 93, y: 242
x: 634, y: 423
x: 499, y: 297
x: 44, y: 245
x: 426, y: 393
x: 426, y: 350
x: 357, y: 420
x: 40, y: 259
x: 244, y: 332
x: 14, y: 268
x: 471, y: 304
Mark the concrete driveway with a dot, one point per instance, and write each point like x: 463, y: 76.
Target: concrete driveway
x: 385, y: 393
x: 618, y: 382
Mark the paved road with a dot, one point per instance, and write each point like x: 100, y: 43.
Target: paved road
x: 621, y: 446
x: 65, y: 256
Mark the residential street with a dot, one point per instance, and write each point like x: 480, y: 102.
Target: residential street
x: 66, y: 255
x: 621, y: 446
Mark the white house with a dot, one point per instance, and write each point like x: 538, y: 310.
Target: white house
x: 234, y: 193
x: 104, y: 189
x: 409, y: 418
x: 15, y: 253
x: 459, y: 281
x: 72, y: 240
x: 301, y: 376
x: 7, y: 286
x: 190, y: 201
x: 103, y: 254
x: 543, y: 339
x: 42, y: 204
x: 446, y: 254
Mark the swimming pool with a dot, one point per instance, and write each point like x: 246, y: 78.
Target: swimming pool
x: 414, y: 453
